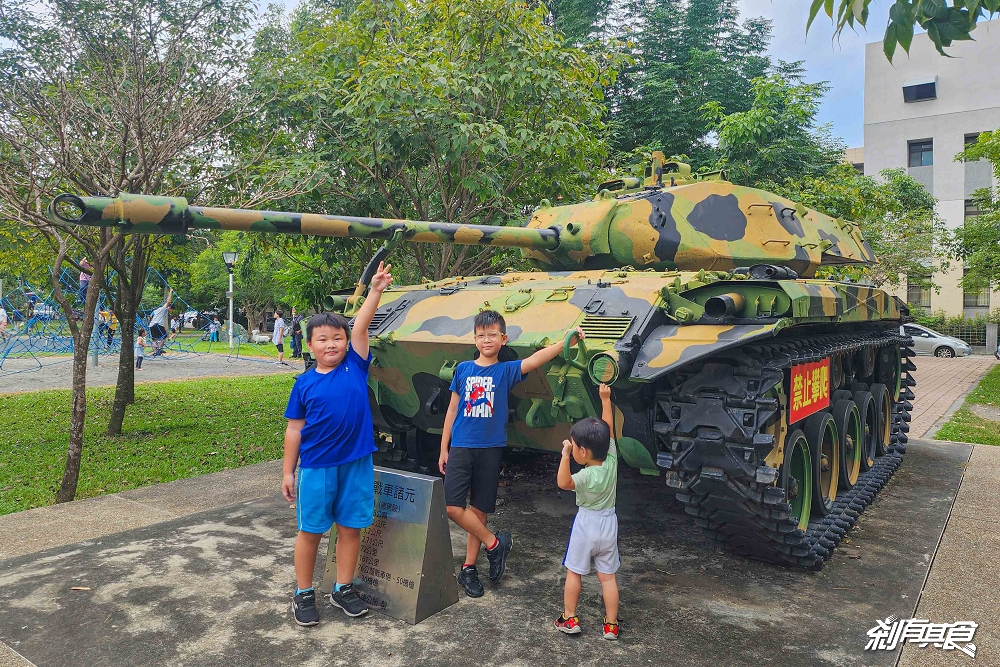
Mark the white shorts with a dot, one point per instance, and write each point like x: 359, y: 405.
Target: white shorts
x: 594, y: 538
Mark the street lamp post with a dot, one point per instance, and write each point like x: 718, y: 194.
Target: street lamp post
x: 230, y: 259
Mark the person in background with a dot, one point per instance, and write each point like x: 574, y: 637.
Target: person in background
x: 112, y: 326
x: 158, y: 324
x: 85, y: 269
x: 213, y: 330
x: 279, y: 337
x: 296, y: 334
x: 3, y: 321
x: 140, y: 348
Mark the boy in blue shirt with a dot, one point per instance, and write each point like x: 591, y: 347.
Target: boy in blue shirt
x: 475, y: 427
x: 331, y: 437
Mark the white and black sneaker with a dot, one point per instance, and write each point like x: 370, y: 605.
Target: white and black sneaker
x: 347, y: 599
x: 497, y: 556
x: 304, y: 608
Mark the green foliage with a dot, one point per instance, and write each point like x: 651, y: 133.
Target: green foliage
x: 895, y: 213
x: 685, y: 55
x: 977, y: 241
x: 174, y: 430
x: 944, y: 23
x: 458, y: 113
x: 776, y: 138
x: 939, y: 320
x: 965, y: 425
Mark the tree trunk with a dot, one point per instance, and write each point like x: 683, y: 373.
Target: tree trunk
x: 129, y: 296
x: 82, y: 333
x: 74, y: 451
x: 125, y: 390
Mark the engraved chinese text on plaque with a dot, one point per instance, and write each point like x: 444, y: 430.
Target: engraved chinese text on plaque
x: 405, y: 568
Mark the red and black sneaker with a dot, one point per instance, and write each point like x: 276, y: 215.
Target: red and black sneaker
x: 571, y: 625
x: 610, y: 630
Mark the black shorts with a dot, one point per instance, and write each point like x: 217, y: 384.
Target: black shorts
x: 157, y: 331
x: 280, y: 346
x: 475, y: 470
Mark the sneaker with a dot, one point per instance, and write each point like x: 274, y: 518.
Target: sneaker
x: 304, y: 608
x: 468, y: 579
x: 571, y: 625
x: 498, y: 556
x: 610, y: 630
x: 347, y: 599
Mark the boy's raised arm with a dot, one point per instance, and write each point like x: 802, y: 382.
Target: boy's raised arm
x: 607, y: 410
x: 547, y: 354
x: 359, y: 332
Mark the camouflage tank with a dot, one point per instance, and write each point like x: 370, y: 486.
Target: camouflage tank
x: 774, y: 403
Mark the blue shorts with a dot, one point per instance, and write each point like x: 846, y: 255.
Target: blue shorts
x: 342, y: 494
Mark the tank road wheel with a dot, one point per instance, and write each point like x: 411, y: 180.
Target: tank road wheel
x: 824, y: 443
x: 848, y: 421
x: 842, y: 395
x: 796, y: 477
x: 883, y: 408
x: 869, y: 427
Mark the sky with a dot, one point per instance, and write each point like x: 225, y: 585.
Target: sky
x: 839, y: 62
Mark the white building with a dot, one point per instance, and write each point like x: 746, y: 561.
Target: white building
x: 921, y: 110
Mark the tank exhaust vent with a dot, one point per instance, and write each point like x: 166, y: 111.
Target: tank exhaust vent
x: 598, y: 326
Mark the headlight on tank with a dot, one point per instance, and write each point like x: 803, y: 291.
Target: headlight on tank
x: 603, y: 367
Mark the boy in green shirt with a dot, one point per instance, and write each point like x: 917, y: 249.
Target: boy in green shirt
x: 595, y: 528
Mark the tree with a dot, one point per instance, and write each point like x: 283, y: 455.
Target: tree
x: 102, y: 98
x: 435, y: 111
x: 944, y: 23
x: 977, y: 241
x: 776, y: 138
x: 685, y: 55
x: 895, y: 213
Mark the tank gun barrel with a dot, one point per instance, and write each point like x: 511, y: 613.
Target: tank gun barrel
x: 147, y: 214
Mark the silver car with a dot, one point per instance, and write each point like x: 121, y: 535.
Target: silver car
x: 928, y: 341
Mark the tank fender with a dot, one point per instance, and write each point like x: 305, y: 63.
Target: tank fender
x: 671, y: 346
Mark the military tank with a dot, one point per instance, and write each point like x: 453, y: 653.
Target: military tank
x: 775, y: 404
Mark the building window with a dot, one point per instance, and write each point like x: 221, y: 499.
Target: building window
x: 919, y: 91
x: 918, y: 293
x: 971, y: 209
x: 970, y: 139
x: 921, y: 153
x: 975, y: 298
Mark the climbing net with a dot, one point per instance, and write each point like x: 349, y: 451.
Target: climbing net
x: 38, y: 334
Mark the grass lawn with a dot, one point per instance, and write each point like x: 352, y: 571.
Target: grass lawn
x: 174, y: 430
x: 965, y: 425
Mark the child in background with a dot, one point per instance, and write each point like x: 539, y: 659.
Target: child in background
x: 594, y: 537
x: 140, y: 348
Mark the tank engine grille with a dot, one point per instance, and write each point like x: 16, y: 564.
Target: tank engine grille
x: 598, y: 326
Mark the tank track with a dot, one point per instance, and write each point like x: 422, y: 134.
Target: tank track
x: 728, y: 503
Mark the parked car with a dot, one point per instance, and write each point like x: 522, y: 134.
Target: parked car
x: 928, y: 341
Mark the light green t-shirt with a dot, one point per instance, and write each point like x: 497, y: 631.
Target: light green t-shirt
x: 596, y: 485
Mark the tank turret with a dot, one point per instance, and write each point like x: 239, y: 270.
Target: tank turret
x: 672, y: 220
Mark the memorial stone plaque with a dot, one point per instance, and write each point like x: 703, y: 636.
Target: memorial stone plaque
x: 405, y: 568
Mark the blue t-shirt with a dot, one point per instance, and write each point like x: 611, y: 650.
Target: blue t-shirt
x: 482, y: 408
x: 338, y: 426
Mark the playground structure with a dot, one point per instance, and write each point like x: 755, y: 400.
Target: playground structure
x: 38, y: 330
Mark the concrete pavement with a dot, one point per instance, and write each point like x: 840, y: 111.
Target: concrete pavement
x: 211, y: 587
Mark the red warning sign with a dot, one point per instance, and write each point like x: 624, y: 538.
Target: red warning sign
x: 810, y: 389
